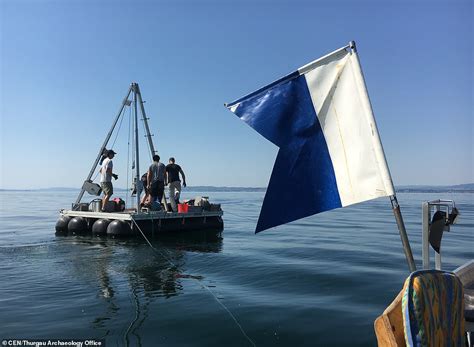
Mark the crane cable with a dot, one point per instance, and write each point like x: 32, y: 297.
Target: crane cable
x: 116, y: 135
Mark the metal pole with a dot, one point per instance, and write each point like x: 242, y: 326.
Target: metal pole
x: 403, y: 233
x: 369, y: 113
x: 380, y: 156
x: 145, y: 120
x: 149, y: 136
x: 137, y: 149
x: 425, y: 235
x: 438, y: 255
x: 124, y: 102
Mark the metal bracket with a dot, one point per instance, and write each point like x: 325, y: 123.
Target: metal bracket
x: 427, y: 208
x: 352, y: 46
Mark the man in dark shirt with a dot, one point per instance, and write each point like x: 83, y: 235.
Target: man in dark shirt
x: 172, y: 177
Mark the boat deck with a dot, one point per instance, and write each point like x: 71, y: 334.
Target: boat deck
x: 133, y: 215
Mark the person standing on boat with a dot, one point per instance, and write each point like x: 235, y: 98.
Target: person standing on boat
x: 106, y: 178
x: 172, y: 177
x: 145, y: 200
x: 156, y: 179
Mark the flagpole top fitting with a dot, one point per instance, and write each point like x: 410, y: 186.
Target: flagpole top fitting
x: 352, y: 46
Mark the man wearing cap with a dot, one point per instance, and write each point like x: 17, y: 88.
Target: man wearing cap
x: 106, y: 178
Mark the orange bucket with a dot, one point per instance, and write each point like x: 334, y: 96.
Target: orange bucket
x: 183, y: 208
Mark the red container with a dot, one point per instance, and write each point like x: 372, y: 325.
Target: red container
x: 183, y: 208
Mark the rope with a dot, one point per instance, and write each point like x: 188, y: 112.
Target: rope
x: 137, y: 315
x: 97, y: 174
x: 120, y: 125
x: 230, y: 314
x: 155, y: 249
x: 246, y: 218
x: 203, y: 286
x: 116, y: 135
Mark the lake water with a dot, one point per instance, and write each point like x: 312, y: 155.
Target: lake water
x: 318, y: 281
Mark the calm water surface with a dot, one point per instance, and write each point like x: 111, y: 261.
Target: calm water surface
x: 319, y: 281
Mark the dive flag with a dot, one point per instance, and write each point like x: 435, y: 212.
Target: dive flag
x: 330, y: 154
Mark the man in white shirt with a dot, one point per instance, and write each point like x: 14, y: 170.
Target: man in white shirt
x: 106, y: 178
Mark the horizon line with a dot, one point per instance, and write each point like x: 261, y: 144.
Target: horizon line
x: 241, y: 187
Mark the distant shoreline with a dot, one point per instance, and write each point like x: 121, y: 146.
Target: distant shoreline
x: 460, y: 188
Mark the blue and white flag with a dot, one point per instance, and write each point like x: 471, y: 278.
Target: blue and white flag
x: 330, y: 152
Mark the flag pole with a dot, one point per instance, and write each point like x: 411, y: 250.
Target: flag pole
x: 403, y: 233
x: 387, y: 179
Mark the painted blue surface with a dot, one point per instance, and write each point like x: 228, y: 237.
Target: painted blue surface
x: 303, y: 181
x: 284, y: 79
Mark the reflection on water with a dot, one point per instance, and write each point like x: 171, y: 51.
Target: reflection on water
x: 150, y: 273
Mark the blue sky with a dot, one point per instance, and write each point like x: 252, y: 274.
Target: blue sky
x: 66, y: 65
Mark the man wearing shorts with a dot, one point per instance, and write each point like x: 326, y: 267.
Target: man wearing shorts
x: 106, y: 178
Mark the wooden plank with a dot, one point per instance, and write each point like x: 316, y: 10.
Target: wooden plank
x: 389, y: 326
